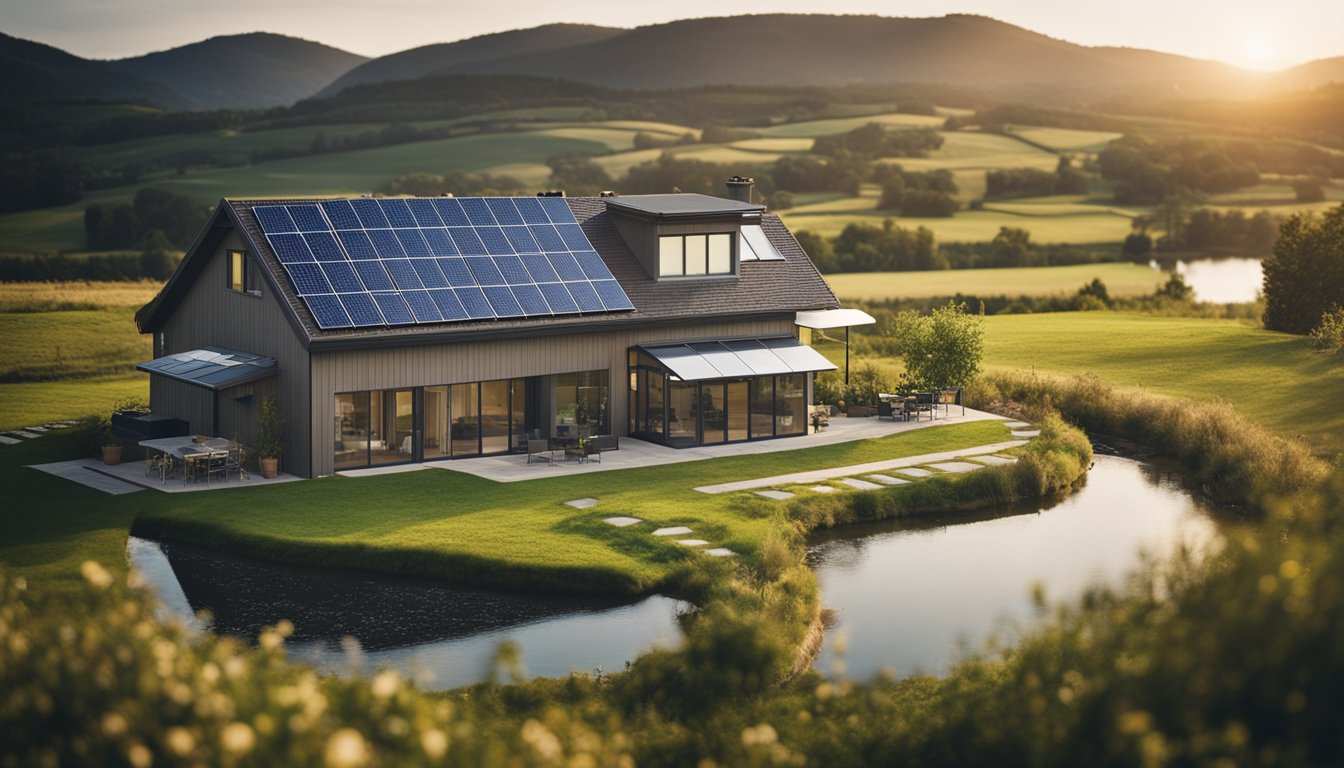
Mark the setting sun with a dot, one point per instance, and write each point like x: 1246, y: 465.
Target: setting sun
x: 1258, y: 50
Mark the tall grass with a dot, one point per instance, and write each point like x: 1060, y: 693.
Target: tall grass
x: 1233, y: 459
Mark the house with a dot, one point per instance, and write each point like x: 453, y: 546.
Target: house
x: 415, y: 329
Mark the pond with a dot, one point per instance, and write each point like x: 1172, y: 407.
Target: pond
x: 1220, y: 281
x: 443, y: 636
x: 909, y: 594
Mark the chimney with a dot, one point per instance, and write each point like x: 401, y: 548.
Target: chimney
x: 740, y: 187
x: 552, y: 193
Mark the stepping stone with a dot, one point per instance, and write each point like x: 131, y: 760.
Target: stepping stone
x: 57, y: 425
x: 956, y: 466
x: 7, y: 440
x: 25, y: 435
x: 776, y: 495
x: 679, y: 530
x: 1016, y: 424
x: 862, y: 485
x: 822, y: 489
x: 581, y: 503
x: 719, y: 552
x: 888, y: 479
x: 622, y: 521
x: 1026, y: 433
x: 692, y: 542
x: 39, y: 430
x: 995, y: 460
x: 914, y: 472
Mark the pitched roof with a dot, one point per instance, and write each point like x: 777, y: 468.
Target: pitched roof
x: 762, y: 288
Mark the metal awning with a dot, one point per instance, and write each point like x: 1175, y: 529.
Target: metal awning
x: 739, y: 358
x: 822, y: 319
x: 213, y: 368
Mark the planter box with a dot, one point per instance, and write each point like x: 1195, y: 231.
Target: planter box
x: 861, y: 411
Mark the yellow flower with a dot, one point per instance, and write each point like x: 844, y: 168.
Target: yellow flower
x: 237, y: 739
x: 346, y: 748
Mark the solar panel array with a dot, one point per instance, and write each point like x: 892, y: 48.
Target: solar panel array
x: 403, y: 261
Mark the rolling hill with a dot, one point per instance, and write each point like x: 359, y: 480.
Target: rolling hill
x: 429, y: 59
x: 31, y: 71
x: 239, y: 71
x: 819, y: 50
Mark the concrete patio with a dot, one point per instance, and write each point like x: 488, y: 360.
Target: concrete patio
x: 136, y: 473
x: 638, y: 453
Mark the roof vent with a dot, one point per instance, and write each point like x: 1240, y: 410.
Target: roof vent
x: 740, y: 187
x: 552, y: 193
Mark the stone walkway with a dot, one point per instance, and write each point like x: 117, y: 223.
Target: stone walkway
x: 833, y: 473
x: 16, y: 436
x: 671, y: 532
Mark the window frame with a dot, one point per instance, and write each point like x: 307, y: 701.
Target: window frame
x: 703, y: 255
x: 247, y: 283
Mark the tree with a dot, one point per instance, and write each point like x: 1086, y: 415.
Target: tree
x: 1305, y: 277
x: 1012, y: 247
x: 943, y: 348
x: 1137, y: 244
x: 818, y: 248
x: 578, y: 175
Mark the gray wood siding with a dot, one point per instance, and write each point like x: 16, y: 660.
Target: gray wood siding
x: 395, y: 368
x: 212, y: 315
x: 184, y: 401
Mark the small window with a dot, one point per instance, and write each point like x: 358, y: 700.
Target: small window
x: 695, y: 255
x: 238, y: 271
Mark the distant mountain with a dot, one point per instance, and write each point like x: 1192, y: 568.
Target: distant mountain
x: 32, y: 71
x: 418, y: 62
x: 833, y: 50
x: 1312, y: 74
x: 238, y: 71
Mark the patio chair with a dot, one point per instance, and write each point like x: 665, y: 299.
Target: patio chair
x: 540, y: 450
x: 596, y: 445
x: 216, y: 463
x: 234, y: 462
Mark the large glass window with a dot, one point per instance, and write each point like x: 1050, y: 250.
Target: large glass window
x: 466, y: 429
x: 495, y: 416
x: 790, y: 404
x: 581, y: 403
x: 713, y: 413
x: 762, y: 407
x: 737, y: 410
x: 391, y: 426
x: 695, y: 255
x: 437, y: 416
x: 352, y: 430
x: 681, y: 413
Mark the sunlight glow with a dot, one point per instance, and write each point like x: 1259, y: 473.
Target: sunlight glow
x: 1258, y: 51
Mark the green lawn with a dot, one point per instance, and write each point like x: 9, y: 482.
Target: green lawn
x: 434, y: 522
x: 1120, y: 280
x: 1273, y: 378
x: 814, y: 128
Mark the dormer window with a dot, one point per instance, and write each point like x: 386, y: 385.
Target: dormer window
x: 695, y: 255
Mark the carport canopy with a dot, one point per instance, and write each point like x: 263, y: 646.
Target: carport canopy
x: 213, y: 368
x: 738, y: 358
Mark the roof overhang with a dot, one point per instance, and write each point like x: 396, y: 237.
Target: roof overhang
x: 212, y: 368
x: 821, y: 319
x: 738, y: 358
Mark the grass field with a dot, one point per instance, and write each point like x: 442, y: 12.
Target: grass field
x: 70, y: 349
x: 814, y: 128
x: 1120, y: 279
x: 1272, y: 378
x: 445, y: 524
x: 833, y: 214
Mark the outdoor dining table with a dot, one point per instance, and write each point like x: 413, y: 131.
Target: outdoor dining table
x: 188, y: 451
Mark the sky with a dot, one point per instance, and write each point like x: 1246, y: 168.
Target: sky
x: 1256, y: 34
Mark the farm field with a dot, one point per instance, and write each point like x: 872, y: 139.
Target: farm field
x: 814, y: 128
x: 1275, y: 379
x: 1077, y: 226
x: 70, y: 349
x: 1120, y: 279
x: 1067, y: 140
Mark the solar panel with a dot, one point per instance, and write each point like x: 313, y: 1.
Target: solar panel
x: 399, y: 261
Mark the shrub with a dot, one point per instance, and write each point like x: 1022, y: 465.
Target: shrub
x: 943, y: 349
x: 1329, y: 335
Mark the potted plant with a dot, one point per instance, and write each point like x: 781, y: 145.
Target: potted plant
x: 109, y: 443
x: 269, y: 442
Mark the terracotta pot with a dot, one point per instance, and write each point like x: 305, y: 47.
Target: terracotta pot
x: 111, y: 455
x: 270, y: 468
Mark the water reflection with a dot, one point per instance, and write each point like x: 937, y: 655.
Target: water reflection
x: 908, y: 593
x: 443, y: 635
x: 1220, y: 281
